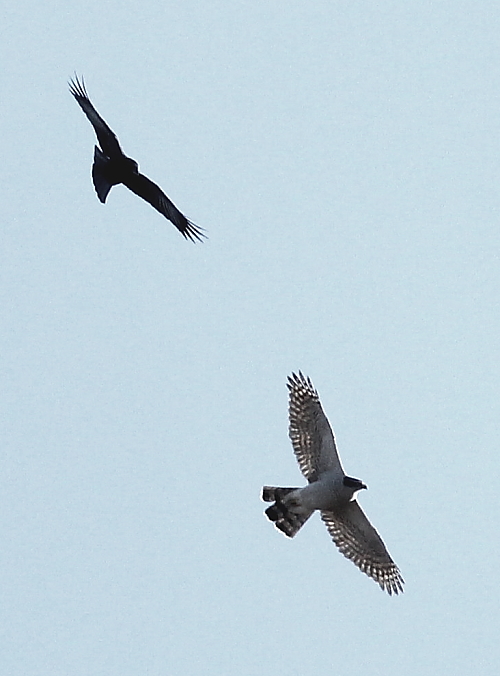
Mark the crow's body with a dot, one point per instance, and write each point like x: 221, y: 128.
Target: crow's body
x: 111, y: 167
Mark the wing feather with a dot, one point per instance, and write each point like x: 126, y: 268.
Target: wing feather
x: 309, y: 430
x: 106, y: 137
x: 141, y: 185
x: 358, y: 541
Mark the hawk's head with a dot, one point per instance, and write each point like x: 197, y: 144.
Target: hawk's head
x: 355, y: 484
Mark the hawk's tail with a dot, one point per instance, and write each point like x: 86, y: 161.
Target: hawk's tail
x: 286, y: 512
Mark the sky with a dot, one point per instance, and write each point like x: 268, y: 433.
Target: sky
x: 344, y: 161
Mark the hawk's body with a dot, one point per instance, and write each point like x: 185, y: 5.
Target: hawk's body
x: 330, y: 491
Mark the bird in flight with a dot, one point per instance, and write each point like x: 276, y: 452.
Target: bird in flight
x: 330, y: 491
x: 111, y: 166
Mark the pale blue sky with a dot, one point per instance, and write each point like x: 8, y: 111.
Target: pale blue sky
x: 344, y: 159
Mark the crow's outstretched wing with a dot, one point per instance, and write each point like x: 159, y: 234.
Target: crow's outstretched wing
x: 107, y: 140
x: 153, y: 194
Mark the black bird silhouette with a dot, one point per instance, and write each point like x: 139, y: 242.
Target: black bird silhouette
x: 111, y: 166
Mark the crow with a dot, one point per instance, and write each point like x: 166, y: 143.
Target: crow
x: 111, y: 166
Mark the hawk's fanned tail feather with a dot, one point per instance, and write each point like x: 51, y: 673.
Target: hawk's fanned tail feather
x: 285, y: 518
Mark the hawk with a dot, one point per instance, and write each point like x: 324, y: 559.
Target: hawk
x: 329, y: 490
x: 111, y: 166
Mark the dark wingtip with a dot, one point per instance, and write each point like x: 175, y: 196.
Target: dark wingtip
x: 194, y: 233
x: 300, y: 380
x: 77, y: 87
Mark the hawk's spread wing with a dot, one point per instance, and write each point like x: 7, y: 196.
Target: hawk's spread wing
x: 107, y: 139
x: 153, y: 194
x: 309, y: 430
x: 358, y: 540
